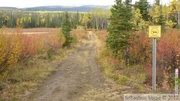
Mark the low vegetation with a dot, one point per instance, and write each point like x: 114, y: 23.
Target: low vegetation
x: 129, y: 44
x: 132, y: 75
x: 138, y: 73
x: 27, y: 59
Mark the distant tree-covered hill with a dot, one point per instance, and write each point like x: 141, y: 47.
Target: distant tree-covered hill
x: 84, y: 8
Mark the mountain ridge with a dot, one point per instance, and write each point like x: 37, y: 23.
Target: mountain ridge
x: 82, y: 8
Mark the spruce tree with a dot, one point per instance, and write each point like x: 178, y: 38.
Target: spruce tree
x: 66, y: 28
x: 161, y: 20
x: 143, y: 5
x: 157, y: 2
x: 120, y: 29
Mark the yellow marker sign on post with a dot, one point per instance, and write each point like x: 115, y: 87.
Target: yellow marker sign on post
x: 155, y: 31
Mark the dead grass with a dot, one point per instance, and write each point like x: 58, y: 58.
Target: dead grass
x: 29, y: 30
x: 29, y: 75
x: 132, y: 76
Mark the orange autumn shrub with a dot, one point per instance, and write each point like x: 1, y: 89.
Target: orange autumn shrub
x: 167, y: 50
x: 10, y: 50
x: 79, y: 34
x: 40, y: 43
x: 18, y: 47
x: 168, y: 47
x: 28, y: 46
x: 54, y: 41
x: 139, y: 48
x: 102, y: 35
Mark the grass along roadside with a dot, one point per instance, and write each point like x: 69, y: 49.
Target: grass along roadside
x: 29, y: 75
x: 131, y: 77
x: 24, y: 76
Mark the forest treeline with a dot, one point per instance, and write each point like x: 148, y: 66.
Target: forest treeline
x: 143, y: 14
x: 97, y: 19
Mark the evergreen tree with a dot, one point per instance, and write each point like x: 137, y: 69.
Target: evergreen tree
x: 66, y: 28
x: 120, y: 29
x: 157, y: 2
x: 161, y: 20
x: 143, y: 6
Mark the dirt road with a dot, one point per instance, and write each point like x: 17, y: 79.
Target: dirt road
x: 78, y: 78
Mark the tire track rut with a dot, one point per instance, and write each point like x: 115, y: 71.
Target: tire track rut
x: 78, y: 78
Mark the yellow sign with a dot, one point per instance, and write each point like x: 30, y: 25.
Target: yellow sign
x: 155, y: 31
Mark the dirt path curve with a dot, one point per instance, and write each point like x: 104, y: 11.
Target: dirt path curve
x: 78, y: 78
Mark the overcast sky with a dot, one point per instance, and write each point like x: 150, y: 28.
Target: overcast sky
x: 33, y: 3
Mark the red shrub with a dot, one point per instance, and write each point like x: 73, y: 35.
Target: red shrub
x: 168, y: 47
x: 15, y: 47
x: 140, y: 48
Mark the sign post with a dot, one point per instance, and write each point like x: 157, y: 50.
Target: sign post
x: 176, y: 81
x: 154, y: 65
x: 154, y: 32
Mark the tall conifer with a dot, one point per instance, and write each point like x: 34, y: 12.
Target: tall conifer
x: 66, y: 28
x: 120, y: 28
